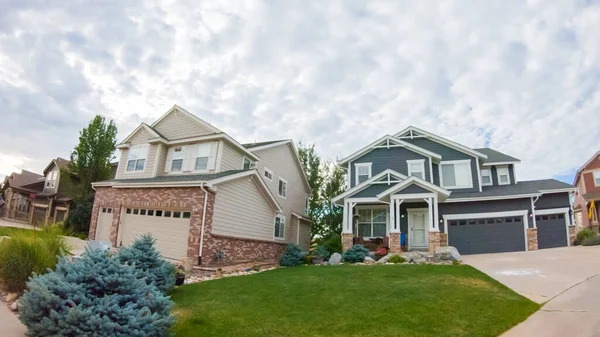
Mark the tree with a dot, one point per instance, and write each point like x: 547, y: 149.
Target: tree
x: 90, y: 160
x: 311, y: 164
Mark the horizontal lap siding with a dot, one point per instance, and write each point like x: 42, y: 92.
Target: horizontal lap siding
x: 231, y: 158
x: 241, y: 211
x: 140, y: 138
x: 553, y: 200
x: 371, y: 191
x: 280, y: 160
x: 304, y: 237
x: 179, y: 126
x: 393, y: 158
x: 486, y: 207
x: 412, y: 189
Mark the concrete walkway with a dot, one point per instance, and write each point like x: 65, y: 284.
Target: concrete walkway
x: 16, y: 224
x: 10, y: 324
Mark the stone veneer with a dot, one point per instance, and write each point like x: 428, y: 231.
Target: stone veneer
x: 437, y: 240
x: 572, y: 234
x: 347, y: 241
x: 189, y: 199
x: 532, y: 239
x: 395, y: 246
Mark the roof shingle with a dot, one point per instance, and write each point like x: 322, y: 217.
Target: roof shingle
x: 522, y: 187
x: 494, y: 156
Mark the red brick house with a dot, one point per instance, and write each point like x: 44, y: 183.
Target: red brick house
x: 198, y: 192
x: 587, y: 198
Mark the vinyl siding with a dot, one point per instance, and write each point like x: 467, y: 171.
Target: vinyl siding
x: 179, y: 126
x: 486, y: 207
x: 231, y: 158
x: 511, y: 174
x: 553, y: 200
x: 448, y: 153
x: 372, y: 191
x: 241, y: 211
x: 304, y: 237
x: 281, y: 161
x: 140, y: 138
x: 393, y: 158
x: 162, y: 159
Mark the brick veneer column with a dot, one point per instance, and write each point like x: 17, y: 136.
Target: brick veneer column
x: 532, y: 239
x: 347, y: 241
x: 395, y: 246
x: 434, y: 241
x: 443, y: 239
x: 572, y: 234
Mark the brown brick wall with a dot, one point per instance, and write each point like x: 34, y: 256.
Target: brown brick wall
x: 572, y: 234
x: 532, y: 240
x: 395, y: 243
x: 186, y: 199
x: 443, y: 239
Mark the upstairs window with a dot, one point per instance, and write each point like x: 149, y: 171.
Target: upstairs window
x: 416, y: 168
x: 202, y: 156
x: 503, y: 176
x: 136, y: 157
x: 268, y: 174
x: 307, y: 208
x: 177, y: 163
x: 596, y: 178
x: 51, y: 179
x: 282, y: 188
x: 363, y: 172
x: 456, y: 174
x: 486, y: 177
x: 247, y: 164
x: 279, y: 227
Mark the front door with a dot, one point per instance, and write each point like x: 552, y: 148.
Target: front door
x: 417, y: 226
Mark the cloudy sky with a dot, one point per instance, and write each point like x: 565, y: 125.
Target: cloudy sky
x: 520, y: 76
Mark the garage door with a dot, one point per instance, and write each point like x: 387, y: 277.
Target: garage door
x: 551, y: 230
x: 169, y: 228
x: 487, y: 235
x: 105, y: 217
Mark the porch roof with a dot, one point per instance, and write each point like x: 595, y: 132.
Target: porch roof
x: 407, y: 187
x: 371, y: 183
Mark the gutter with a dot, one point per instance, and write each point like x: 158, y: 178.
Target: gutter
x: 202, y: 187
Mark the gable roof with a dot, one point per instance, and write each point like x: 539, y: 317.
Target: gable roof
x: 269, y: 143
x: 190, y: 115
x: 288, y: 142
x: 145, y: 127
x: 388, y: 139
x: 416, y: 181
x: 494, y: 157
x: 59, y: 162
x: 387, y: 173
x: 444, y: 141
x: 578, y: 174
x: 24, y: 178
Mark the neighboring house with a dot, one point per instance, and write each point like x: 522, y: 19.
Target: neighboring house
x: 426, y: 191
x: 52, y: 203
x: 199, y: 192
x: 19, y: 189
x: 587, y: 198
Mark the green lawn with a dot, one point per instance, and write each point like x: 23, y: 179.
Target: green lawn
x: 6, y: 231
x: 388, y: 300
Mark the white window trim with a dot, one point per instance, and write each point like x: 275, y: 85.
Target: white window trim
x: 282, y: 218
x: 417, y: 161
x: 356, y: 166
x: 286, y: 188
x: 374, y: 207
x: 173, y: 159
x: 145, y: 160
x: 507, y: 174
x: 594, y: 177
x: 489, y: 170
x: 456, y: 162
x: 307, y: 204
x: 267, y: 178
x: 252, y: 164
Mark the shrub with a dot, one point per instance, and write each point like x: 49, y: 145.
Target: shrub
x: 148, y: 263
x: 95, y: 295
x: 292, y: 256
x: 396, y: 259
x: 28, y: 252
x: 585, y: 234
x: 355, y: 254
x: 79, y: 218
x: 319, y: 252
x: 333, y: 243
x: 591, y: 241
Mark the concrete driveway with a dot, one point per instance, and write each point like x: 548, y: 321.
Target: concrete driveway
x: 565, y: 279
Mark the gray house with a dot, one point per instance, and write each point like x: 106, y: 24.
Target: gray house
x: 417, y: 190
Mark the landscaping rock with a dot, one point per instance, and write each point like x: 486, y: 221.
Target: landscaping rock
x: 336, y: 258
x: 368, y: 260
x: 11, y: 297
x: 386, y: 258
x: 447, y: 253
x: 14, y: 306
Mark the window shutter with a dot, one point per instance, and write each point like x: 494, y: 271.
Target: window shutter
x: 169, y: 159
x: 213, y: 156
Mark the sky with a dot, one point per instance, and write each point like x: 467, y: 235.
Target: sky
x: 522, y: 77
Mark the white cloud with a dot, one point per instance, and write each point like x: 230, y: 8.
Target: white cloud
x: 522, y: 77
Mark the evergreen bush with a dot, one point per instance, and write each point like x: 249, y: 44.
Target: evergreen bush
x: 148, y: 263
x: 355, y: 254
x: 28, y: 252
x: 591, y: 241
x: 95, y: 295
x: 396, y: 259
x: 292, y: 256
x: 333, y: 243
x: 586, y: 233
x: 319, y: 252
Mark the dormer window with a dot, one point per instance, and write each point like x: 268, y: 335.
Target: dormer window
x: 416, y: 168
x: 136, y: 157
x: 177, y: 163
x: 503, y: 176
x: 247, y: 164
x: 363, y: 172
x: 486, y: 177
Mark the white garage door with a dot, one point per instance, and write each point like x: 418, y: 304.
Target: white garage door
x: 105, y: 217
x: 169, y: 228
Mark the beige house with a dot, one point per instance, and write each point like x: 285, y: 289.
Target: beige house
x: 199, y: 192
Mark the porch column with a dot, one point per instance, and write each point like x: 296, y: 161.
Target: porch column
x: 395, y: 242
x: 436, y: 216
x: 392, y: 215
x: 347, y: 236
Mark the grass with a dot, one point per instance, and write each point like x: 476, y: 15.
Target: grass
x: 8, y: 231
x: 388, y: 300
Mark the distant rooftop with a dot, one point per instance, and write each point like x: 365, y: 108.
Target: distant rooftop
x: 252, y: 145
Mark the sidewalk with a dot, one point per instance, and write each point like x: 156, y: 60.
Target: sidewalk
x: 11, y: 326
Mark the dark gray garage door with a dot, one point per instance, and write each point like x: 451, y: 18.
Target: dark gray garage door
x: 489, y: 235
x: 552, y: 231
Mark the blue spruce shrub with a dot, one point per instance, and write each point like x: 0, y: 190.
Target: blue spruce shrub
x: 292, y: 256
x: 355, y: 254
x: 95, y: 295
x: 148, y: 263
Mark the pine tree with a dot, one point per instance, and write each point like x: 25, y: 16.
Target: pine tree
x: 95, y: 295
x: 148, y: 263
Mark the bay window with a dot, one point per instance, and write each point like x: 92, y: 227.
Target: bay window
x: 136, y: 157
x: 371, y: 222
x: 503, y: 176
x: 486, y: 177
x: 363, y: 172
x: 456, y: 174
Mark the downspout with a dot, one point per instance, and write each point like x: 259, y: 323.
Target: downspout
x: 203, y: 222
